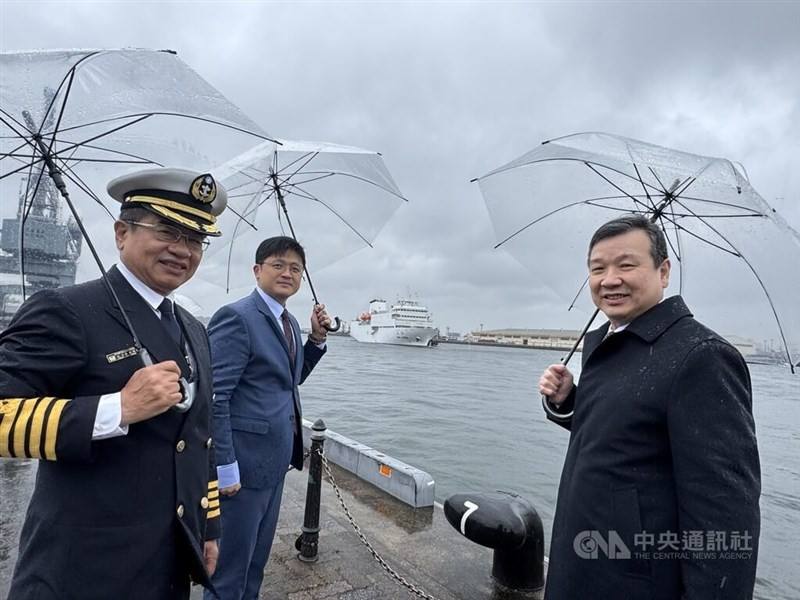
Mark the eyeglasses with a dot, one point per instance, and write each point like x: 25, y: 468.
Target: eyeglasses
x: 173, y: 235
x: 280, y: 267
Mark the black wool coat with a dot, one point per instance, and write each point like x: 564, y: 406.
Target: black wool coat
x: 124, y: 517
x: 662, y: 462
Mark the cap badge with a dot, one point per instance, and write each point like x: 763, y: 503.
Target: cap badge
x: 204, y: 189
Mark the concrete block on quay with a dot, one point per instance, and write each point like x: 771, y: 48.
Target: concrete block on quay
x: 406, y: 483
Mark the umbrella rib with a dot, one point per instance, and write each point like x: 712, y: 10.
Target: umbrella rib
x: 663, y: 189
x: 641, y: 181
x: 307, y: 157
x: 78, y: 181
x: 760, y: 283
x: 140, y: 159
x: 24, y: 218
x: 340, y: 217
x: 532, y: 223
x: 311, y: 180
x: 677, y: 225
x: 169, y: 114
x: 578, y: 293
x: 70, y: 79
x: 582, y: 161
x: 615, y: 186
x: 230, y: 256
x: 728, y: 204
x: 359, y: 178
x: 21, y: 168
x: 15, y: 126
x: 652, y: 212
x: 10, y: 122
x: 676, y: 251
x: 247, y: 209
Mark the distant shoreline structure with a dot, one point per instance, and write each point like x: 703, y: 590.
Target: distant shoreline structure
x: 503, y: 345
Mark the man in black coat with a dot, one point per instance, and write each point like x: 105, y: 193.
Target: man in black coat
x: 660, y: 486
x: 126, y: 503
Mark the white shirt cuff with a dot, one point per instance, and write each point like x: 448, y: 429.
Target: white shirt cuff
x: 228, y: 475
x: 108, y: 418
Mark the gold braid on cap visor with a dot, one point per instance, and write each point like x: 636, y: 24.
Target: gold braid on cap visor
x: 163, y: 207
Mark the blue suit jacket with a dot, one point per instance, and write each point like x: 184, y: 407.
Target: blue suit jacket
x: 256, y: 408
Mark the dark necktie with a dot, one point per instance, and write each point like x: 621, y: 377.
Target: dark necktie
x: 287, y: 332
x: 169, y: 322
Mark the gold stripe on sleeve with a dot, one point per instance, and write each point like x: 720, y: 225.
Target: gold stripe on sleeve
x: 213, y: 494
x: 21, y: 428
x: 8, y: 412
x: 37, y: 424
x: 51, y: 434
x: 213, y: 513
x: 213, y: 485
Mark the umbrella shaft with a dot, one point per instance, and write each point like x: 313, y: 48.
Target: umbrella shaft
x: 565, y: 360
x: 58, y: 180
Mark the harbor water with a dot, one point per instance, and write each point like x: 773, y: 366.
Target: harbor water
x: 471, y: 417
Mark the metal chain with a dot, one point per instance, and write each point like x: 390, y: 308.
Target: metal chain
x: 392, y: 573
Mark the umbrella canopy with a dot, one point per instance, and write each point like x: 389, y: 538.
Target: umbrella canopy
x: 731, y: 252
x: 333, y: 199
x: 64, y: 116
x: 73, y: 119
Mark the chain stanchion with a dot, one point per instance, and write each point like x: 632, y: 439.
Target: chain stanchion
x: 308, y: 542
x: 417, y: 591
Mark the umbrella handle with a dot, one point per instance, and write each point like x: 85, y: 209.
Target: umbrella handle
x: 336, y: 327
x: 552, y: 414
x: 186, y: 390
x: 548, y: 408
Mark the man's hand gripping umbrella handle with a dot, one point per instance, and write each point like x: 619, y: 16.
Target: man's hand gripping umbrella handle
x: 562, y: 417
x: 186, y: 390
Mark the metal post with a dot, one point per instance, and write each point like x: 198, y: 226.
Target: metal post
x: 308, y: 542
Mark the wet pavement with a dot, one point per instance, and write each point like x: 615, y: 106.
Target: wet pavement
x: 419, y: 544
x: 16, y: 482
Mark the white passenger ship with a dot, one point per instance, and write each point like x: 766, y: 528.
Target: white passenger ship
x: 406, y: 323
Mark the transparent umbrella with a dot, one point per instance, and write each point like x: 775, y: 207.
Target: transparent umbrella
x: 731, y: 252
x: 332, y: 199
x: 72, y: 119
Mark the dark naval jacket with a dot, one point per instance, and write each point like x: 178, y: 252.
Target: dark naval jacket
x: 124, y: 517
x: 662, y: 463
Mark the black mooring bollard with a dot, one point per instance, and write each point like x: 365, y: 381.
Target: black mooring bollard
x: 308, y: 541
x: 509, y: 524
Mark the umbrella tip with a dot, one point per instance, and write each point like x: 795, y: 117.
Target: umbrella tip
x: 545, y: 142
x: 474, y: 179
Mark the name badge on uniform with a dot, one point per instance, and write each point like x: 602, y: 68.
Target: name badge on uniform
x: 121, y: 354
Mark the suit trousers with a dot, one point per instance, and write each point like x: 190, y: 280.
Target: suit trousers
x: 249, y: 520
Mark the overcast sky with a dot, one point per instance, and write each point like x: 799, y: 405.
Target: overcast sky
x: 448, y: 91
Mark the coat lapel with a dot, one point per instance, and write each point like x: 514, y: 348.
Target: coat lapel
x: 198, y: 344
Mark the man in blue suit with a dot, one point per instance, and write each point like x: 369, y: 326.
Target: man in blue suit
x: 258, y: 362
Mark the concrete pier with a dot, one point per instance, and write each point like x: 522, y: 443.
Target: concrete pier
x: 418, y: 543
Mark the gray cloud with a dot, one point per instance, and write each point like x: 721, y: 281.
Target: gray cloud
x: 447, y: 91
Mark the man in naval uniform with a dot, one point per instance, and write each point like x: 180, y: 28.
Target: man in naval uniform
x: 126, y: 502
x: 259, y: 361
